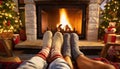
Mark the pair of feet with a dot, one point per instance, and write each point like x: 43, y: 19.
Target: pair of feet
x: 54, y: 45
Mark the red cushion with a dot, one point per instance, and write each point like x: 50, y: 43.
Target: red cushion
x: 9, y: 65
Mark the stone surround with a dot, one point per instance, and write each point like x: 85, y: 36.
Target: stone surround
x: 92, y: 22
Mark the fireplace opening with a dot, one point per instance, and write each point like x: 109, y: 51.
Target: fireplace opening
x: 61, y: 17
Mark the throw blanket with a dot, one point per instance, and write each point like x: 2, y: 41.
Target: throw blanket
x: 14, y: 65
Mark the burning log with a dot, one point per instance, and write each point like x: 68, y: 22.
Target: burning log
x: 67, y: 28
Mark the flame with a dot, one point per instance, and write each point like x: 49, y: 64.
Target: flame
x: 64, y: 19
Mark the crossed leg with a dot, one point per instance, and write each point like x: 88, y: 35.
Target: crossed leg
x: 82, y: 61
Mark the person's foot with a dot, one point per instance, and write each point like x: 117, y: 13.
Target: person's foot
x: 47, y: 39
x: 74, y: 46
x: 47, y: 42
x: 56, y: 46
x: 66, y: 49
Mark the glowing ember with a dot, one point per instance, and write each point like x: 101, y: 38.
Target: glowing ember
x: 64, y: 22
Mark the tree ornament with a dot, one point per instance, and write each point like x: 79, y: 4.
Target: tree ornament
x: 8, y: 23
x: 0, y: 2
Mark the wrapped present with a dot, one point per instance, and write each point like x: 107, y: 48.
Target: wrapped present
x: 6, y: 35
x: 105, y: 38
x: 117, y: 38
x: 109, y: 38
x: 16, y: 38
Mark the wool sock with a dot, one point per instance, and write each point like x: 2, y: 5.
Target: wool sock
x: 47, y: 41
x: 74, y: 46
x: 56, y: 46
x: 66, y: 49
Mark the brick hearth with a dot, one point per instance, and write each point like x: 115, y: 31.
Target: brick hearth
x: 37, y: 44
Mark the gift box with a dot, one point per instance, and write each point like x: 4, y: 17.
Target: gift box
x: 109, y: 38
x: 16, y: 38
x: 117, y: 38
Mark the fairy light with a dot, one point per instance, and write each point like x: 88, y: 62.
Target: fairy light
x: 117, y: 7
x: 6, y: 14
x: 16, y: 21
x: 108, y: 4
x: 113, y: 9
x: 105, y: 17
x: 10, y: 15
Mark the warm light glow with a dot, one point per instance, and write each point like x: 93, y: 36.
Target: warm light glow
x: 64, y: 21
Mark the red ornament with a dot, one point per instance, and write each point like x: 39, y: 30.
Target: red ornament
x: 0, y: 2
x: 8, y: 23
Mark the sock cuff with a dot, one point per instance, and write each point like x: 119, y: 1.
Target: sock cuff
x: 55, y: 57
x: 42, y: 55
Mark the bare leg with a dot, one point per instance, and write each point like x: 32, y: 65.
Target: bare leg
x: 68, y: 60
x: 84, y: 62
x: 66, y: 49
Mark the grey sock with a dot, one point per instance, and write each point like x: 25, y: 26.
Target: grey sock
x: 74, y: 46
x: 66, y: 49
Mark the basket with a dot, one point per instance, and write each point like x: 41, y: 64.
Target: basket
x: 6, y: 35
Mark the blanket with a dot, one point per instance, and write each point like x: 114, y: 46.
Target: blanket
x: 14, y: 65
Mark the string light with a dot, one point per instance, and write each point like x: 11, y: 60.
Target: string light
x: 108, y: 4
x: 105, y: 17
x: 10, y: 15
x: 113, y: 9
x: 6, y: 14
x: 108, y: 7
x: 117, y: 7
x: 16, y: 21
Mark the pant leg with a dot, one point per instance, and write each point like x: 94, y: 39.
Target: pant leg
x: 34, y: 63
x: 59, y: 63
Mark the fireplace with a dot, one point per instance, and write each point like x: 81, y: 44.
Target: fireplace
x: 63, y: 16
x: 38, y: 11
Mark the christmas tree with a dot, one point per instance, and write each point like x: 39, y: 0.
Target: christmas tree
x: 9, y: 18
x: 111, y: 13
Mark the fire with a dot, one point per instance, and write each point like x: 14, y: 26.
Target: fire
x: 64, y: 21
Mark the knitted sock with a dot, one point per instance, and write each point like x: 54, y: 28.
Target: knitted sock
x: 74, y: 46
x: 56, y: 46
x: 47, y: 41
x: 66, y: 49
